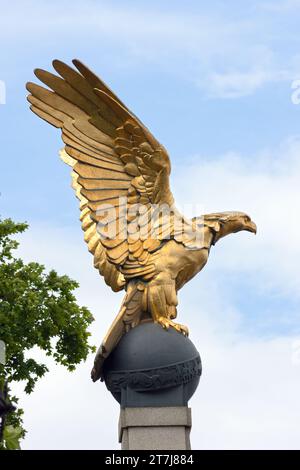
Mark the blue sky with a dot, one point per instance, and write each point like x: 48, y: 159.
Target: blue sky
x: 213, y: 83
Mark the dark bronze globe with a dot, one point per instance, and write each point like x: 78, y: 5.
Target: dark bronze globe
x: 152, y: 366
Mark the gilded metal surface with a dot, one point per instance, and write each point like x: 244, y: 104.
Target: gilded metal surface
x: 120, y: 172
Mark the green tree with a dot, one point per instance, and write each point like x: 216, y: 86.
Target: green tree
x: 36, y: 309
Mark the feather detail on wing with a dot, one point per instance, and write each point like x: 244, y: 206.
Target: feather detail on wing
x: 118, y: 166
x: 111, y: 275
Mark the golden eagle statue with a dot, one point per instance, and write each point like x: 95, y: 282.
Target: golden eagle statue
x: 120, y: 172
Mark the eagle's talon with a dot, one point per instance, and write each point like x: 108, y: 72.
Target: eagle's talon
x: 166, y: 323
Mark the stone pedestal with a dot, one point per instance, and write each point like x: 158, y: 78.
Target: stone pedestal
x: 155, y: 428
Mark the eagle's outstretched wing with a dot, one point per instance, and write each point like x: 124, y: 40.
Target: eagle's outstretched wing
x: 112, y: 154
x: 117, y: 163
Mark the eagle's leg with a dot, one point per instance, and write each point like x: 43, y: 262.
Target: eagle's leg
x: 162, y: 301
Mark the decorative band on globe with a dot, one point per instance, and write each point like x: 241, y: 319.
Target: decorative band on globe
x: 154, y: 379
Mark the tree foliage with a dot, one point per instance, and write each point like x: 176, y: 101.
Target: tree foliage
x: 37, y: 309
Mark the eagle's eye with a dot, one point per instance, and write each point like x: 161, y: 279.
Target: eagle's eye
x: 247, y: 219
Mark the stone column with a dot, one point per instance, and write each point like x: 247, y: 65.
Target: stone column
x: 155, y: 428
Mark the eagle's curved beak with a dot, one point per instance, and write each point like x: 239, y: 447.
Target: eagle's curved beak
x: 251, y: 227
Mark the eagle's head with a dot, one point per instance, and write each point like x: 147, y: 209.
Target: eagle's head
x: 224, y: 223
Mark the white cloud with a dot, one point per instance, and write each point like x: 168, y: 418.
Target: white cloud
x: 280, y: 6
x: 237, y: 84
x: 248, y: 397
